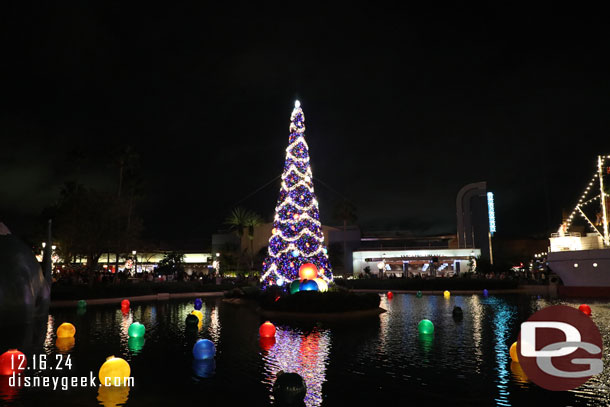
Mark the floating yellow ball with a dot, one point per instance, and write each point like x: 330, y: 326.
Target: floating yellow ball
x: 66, y: 330
x: 114, y: 372
x: 513, y: 352
x: 446, y: 294
x: 198, y: 314
x: 322, y: 286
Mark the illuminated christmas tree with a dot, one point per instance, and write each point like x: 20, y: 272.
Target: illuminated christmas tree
x: 296, y: 238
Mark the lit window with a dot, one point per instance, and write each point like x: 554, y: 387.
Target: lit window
x: 594, y: 264
x: 575, y: 265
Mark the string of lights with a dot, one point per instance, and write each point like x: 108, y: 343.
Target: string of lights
x: 296, y: 237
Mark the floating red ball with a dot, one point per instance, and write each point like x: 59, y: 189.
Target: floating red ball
x: 390, y: 295
x: 585, y: 309
x: 267, y: 330
x: 12, y: 361
x: 125, y: 303
x: 308, y: 271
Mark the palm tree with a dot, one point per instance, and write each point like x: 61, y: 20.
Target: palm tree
x: 241, y: 218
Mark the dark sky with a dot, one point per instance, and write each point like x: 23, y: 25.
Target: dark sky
x: 404, y: 106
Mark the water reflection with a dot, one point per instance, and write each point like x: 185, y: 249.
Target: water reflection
x: 112, y: 396
x: 303, y: 353
x: 65, y: 345
x: 501, y: 326
x: 136, y: 345
x: 204, y: 368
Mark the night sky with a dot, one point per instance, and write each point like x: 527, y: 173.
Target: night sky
x: 403, y: 108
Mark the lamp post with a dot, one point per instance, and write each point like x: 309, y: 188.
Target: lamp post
x: 135, y: 260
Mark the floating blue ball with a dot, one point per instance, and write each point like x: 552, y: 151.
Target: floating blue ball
x: 485, y: 292
x: 308, y: 285
x: 198, y: 303
x: 204, y: 349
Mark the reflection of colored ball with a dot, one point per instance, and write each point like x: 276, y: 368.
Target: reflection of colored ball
x: 81, y: 304
x: 204, y: 368
x: 204, y: 349
x: 125, y: 303
x: 66, y: 330
x: 322, y: 286
x: 308, y: 271
x: 425, y: 327
x: 308, y: 285
x: 390, y: 295
x: 198, y: 303
x: 485, y: 292
x: 198, y: 314
x: 114, y: 372
x: 289, y: 388
x: 111, y: 396
x: 11, y: 361
x: 585, y: 309
x: 513, y: 352
x: 266, y: 343
x: 419, y: 294
x: 267, y: 330
x: 191, y: 320
x: 446, y: 294
x: 518, y: 373
x: 135, y: 344
x: 65, y: 345
x: 136, y: 330
x: 294, y: 286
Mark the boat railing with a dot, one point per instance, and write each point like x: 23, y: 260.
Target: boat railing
x: 566, y: 234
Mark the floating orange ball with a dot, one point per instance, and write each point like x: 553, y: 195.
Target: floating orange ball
x: 390, y: 295
x: 12, y: 361
x: 114, y: 372
x: 66, y: 330
x: 267, y: 330
x: 585, y: 309
x: 513, y: 352
x: 308, y: 271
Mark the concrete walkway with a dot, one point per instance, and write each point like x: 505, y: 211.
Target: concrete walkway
x: 139, y: 298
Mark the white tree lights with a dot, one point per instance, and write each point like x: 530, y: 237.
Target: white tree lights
x: 297, y: 236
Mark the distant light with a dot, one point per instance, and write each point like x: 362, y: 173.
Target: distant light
x: 53, y: 247
x: 297, y: 104
x: 491, y: 212
x: 133, y: 252
x: 575, y: 265
x: 594, y: 264
x: 217, y: 254
x: 44, y: 244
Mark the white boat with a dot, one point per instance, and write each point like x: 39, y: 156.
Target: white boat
x: 583, y: 261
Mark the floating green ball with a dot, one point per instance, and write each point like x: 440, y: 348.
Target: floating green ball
x: 81, y: 304
x: 294, y: 286
x: 136, y: 330
x: 419, y: 294
x: 425, y: 327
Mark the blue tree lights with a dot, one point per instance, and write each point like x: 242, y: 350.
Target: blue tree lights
x: 297, y: 236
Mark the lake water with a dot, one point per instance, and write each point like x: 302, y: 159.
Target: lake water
x: 377, y: 360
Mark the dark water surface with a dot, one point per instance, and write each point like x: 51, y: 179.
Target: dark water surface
x: 378, y: 360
